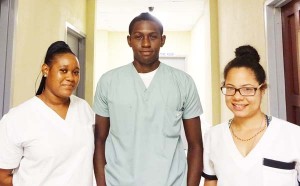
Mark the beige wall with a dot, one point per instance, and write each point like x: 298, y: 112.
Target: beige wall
x: 215, y: 64
x: 112, y: 51
x: 90, y: 49
x: 101, y: 55
x: 240, y: 22
x: 177, y: 43
x: 200, y: 64
x: 39, y: 23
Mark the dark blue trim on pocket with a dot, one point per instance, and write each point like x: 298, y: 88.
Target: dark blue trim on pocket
x: 209, y: 177
x: 279, y: 164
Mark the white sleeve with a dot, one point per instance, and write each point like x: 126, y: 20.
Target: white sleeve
x: 298, y: 170
x: 208, y: 167
x: 10, y: 153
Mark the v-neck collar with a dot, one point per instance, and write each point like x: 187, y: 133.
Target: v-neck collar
x: 140, y: 81
x: 45, y: 106
x: 255, y: 150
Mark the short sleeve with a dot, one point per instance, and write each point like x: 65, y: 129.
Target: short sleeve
x: 298, y: 170
x: 192, y: 105
x: 100, y: 105
x: 10, y: 152
x: 208, y: 166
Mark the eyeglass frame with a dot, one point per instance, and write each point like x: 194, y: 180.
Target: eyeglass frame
x: 238, y: 89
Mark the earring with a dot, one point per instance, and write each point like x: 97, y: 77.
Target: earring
x: 45, y: 75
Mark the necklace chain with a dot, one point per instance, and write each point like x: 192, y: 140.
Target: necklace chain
x: 248, y: 139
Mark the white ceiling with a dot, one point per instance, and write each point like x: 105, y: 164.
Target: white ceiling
x: 175, y: 15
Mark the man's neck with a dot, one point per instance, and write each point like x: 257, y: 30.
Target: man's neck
x: 145, y: 68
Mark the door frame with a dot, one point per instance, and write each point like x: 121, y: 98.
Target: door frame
x: 70, y: 29
x: 274, y: 54
x: 7, y: 24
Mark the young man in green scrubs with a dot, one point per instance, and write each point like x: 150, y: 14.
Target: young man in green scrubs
x: 140, y: 108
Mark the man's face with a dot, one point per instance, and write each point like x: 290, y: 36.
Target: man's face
x: 145, y: 41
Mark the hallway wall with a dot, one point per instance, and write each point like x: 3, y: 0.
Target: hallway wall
x: 199, y: 65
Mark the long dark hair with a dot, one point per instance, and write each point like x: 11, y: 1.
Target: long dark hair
x: 58, y: 47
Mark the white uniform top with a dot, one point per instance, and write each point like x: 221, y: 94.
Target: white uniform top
x: 274, y: 161
x: 144, y: 146
x: 45, y: 150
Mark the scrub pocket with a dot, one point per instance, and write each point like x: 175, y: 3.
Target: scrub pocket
x: 279, y: 173
x: 172, y: 123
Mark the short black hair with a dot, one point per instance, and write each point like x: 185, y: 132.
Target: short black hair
x: 145, y: 16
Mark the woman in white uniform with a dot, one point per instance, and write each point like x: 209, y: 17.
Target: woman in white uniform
x: 48, y: 140
x: 251, y: 149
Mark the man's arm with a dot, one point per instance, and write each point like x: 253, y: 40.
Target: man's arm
x: 6, y: 177
x: 101, y: 132
x: 193, y: 134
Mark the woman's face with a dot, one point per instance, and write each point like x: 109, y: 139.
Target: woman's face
x: 243, y: 106
x: 62, y: 75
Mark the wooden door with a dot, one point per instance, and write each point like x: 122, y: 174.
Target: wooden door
x: 291, y: 54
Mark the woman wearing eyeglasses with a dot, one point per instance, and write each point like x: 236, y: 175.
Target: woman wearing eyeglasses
x: 252, y: 148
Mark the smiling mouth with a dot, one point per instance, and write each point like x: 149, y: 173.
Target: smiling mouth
x: 69, y: 86
x: 238, y: 107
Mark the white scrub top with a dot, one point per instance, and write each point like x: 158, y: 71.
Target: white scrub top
x: 46, y: 150
x: 274, y: 161
x: 144, y: 146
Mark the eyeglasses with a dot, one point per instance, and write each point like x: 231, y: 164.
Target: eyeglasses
x: 244, y: 91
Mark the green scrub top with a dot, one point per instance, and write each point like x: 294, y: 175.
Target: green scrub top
x: 144, y: 146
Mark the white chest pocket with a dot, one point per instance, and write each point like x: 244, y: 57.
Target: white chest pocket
x: 279, y: 173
